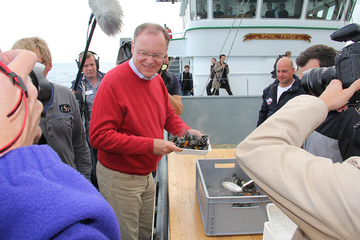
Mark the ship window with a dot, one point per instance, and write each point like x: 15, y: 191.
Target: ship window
x: 326, y: 9
x: 200, y: 9
x: 281, y: 9
x: 350, y: 10
x: 234, y: 9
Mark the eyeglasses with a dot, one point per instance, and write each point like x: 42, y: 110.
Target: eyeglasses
x: 155, y: 56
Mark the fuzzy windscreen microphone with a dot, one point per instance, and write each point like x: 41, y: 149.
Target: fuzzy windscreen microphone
x: 108, y: 14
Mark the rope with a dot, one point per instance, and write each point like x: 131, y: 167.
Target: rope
x: 232, y: 26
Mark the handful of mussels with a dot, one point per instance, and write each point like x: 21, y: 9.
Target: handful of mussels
x: 248, y: 190
x: 190, y: 141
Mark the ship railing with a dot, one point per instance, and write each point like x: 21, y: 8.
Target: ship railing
x: 162, y: 199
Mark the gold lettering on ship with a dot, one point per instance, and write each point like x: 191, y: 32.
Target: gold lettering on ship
x: 277, y: 36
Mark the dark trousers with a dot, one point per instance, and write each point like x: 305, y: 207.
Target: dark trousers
x: 94, y: 160
x: 225, y: 85
x: 208, y: 88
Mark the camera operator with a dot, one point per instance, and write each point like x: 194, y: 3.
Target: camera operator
x: 332, y: 139
x: 319, y: 196
x: 87, y: 87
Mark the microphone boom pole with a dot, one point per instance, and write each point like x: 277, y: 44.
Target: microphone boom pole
x: 84, y: 58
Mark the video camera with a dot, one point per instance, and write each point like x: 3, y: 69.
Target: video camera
x: 41, y: 83
x: 346, y: 68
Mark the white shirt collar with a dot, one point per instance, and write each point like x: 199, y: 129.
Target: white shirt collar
x: 140, y: 75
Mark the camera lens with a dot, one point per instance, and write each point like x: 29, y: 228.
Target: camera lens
x: 315, y: 80
x: 41, y: 84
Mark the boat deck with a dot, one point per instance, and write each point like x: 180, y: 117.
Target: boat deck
x: 184, y: 214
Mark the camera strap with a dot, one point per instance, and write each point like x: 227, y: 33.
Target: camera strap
x: 355, y: 127
x: 17, y: 80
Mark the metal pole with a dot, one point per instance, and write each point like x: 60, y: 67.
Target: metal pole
x: 162, y: 214
x: 84, y: 58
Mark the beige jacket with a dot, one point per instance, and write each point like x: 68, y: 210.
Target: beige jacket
x: 320, y: 196
x: 218, y: 68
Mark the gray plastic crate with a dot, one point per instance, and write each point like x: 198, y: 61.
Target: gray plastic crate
x: 222, y: 211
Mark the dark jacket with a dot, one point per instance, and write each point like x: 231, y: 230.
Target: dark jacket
x: 171, y: 81
x: 186, y: 84
x: 270, y: 104
x: 270, y: 13
x: 64, y: 131
x: 333, y: 138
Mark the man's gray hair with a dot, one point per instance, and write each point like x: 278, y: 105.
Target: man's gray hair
x: 153, y: 28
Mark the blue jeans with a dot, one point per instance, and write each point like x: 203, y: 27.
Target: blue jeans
x: 185, y: 93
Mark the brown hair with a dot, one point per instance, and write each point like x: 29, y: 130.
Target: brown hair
x: 88, y: 55
x: 325, y: 55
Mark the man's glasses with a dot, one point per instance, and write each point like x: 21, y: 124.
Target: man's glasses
x: 158, y: 56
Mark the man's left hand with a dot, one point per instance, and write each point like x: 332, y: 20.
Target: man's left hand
x: 195, y: 132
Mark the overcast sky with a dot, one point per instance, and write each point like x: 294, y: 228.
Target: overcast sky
x: 63, y: 24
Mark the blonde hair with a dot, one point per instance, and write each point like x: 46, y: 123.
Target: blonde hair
x: 34, y: 42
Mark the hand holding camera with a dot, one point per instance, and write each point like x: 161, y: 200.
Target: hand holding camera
x: 346, y: 68
x: 335, y: 97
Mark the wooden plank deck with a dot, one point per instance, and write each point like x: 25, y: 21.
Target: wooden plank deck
x: 184, y: 214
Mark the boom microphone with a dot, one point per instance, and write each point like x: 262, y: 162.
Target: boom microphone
x: 108, y: 14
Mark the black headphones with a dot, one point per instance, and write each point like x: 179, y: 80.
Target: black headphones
x: 77, y: 60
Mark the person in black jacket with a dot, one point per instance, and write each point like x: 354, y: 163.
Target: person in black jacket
x: 336, y: 137
x: 286, y: 86
x: 283, y: 13
x: 172, y: 84
x: 271, y: 13
x: 186, y: 82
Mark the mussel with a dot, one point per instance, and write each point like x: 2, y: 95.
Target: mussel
x: 191, y: 141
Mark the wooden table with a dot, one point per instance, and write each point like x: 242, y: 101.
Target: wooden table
x: 184, y: 214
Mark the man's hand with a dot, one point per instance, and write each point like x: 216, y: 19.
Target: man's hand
x: 195, y: 132
x: 162, y: 147
x: 335, y: 97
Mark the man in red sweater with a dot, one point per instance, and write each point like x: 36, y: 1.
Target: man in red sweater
x: 130, y: 112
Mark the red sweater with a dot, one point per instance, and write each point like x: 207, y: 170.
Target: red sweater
x: 127, y: 115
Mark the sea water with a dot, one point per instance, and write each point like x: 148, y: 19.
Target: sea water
x: 64, y: 73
